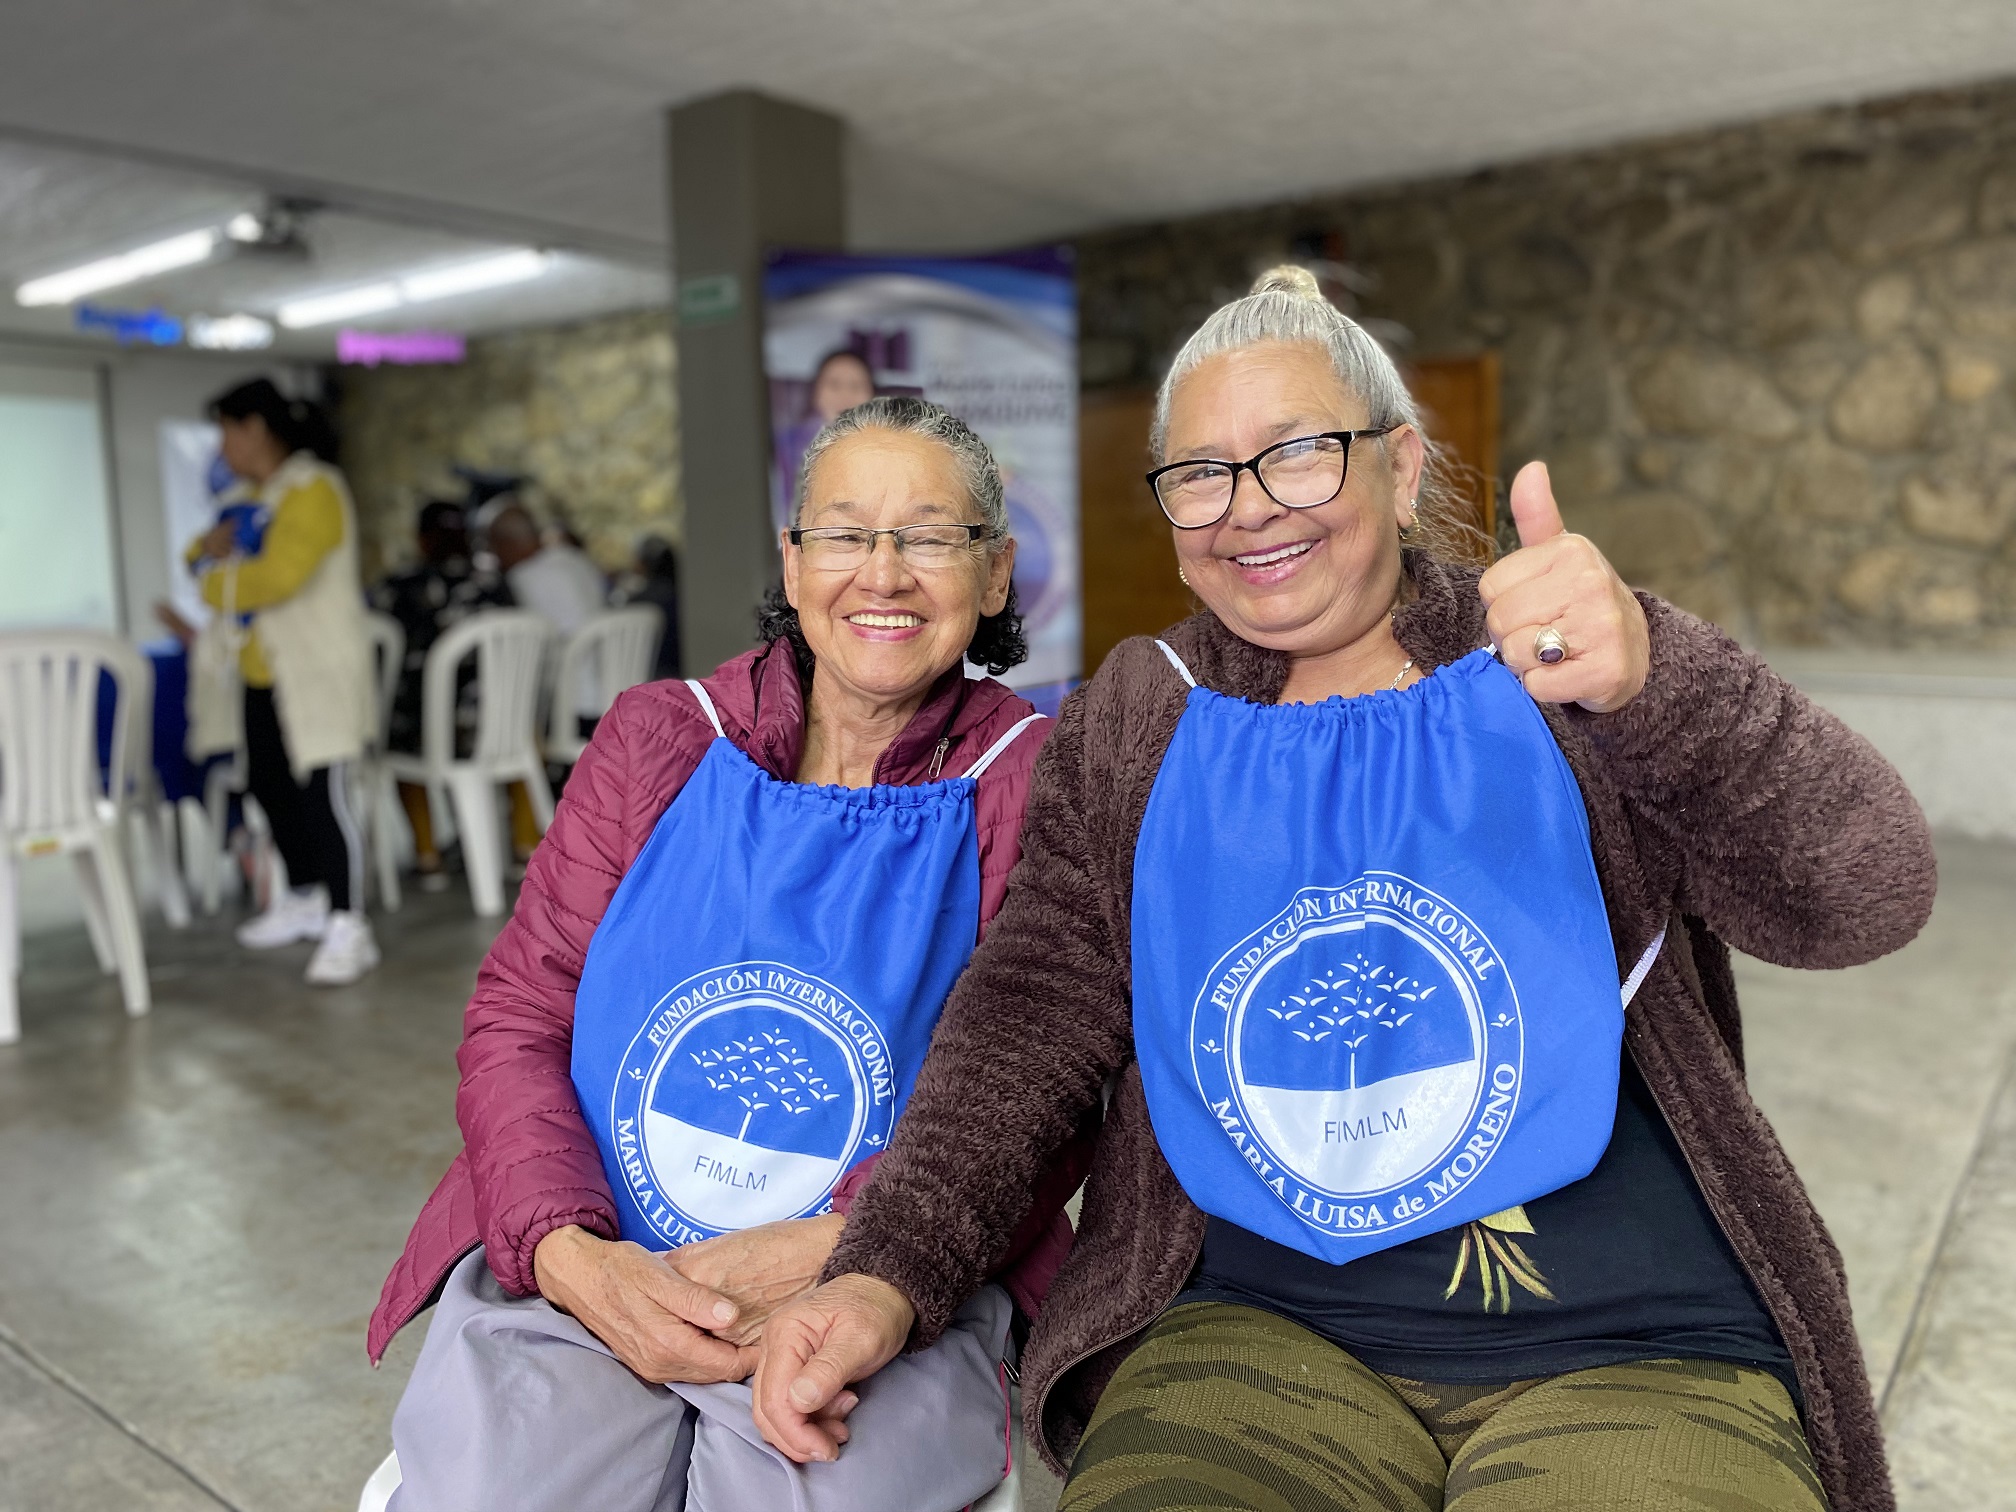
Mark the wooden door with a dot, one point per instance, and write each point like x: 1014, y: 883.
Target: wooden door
x: 1131, y: 587
x: 1129, y: 566
x: 1459, y: 400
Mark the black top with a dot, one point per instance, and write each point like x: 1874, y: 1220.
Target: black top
x: 1626, y: 1264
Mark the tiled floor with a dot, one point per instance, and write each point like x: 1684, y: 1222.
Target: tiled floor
x: 196, y: 1209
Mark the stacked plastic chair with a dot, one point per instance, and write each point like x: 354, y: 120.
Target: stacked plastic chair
x: 509, y: 646
x: 56, y: 798
x: 613, y: 651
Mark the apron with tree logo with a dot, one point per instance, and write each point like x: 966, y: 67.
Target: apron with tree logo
x: 1375, y: 992
x: 758, y: 998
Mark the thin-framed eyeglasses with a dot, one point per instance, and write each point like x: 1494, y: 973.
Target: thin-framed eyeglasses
x: 929, y: 548
x: 1299, y: 473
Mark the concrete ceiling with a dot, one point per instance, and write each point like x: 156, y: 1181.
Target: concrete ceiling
x: 974, y: 122
x: 59, y: 209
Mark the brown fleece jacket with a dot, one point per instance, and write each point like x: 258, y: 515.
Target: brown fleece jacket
x: 1719, y: 799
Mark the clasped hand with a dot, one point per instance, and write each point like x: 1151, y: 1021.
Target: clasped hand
x: 693, y: 1315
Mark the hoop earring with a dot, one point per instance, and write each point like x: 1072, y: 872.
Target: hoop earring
x: 1182, y: 575
x: 1413, y: 520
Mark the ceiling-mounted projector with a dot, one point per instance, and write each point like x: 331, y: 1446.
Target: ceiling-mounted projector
x: 276, y: 230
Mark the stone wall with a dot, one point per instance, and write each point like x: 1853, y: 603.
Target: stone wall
x: 1769, y: 365
x: 586, y: 410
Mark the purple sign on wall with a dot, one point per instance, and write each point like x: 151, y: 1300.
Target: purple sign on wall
x: 401, y: 348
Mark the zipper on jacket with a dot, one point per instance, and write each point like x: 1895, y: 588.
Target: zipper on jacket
x: 1043, y: 1401
x: 938, y: 759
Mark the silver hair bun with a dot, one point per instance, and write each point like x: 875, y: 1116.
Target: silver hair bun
x: 1288, y: 279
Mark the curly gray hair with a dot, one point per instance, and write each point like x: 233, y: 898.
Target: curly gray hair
x: 908, y: 415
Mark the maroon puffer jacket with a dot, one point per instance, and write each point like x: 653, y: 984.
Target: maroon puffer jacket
x: 529, y: 1164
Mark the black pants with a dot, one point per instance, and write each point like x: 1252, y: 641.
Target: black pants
x: 312, y: 825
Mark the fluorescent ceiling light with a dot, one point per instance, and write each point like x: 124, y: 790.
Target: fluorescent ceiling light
x: 244, y: 227
x: 346, y: 304
x: 415, y: 288
x: 466, y: 278
x: 126, y: 268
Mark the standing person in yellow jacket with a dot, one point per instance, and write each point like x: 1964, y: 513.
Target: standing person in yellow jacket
x: 288, y: 567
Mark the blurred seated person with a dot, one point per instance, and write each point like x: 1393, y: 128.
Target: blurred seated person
x: 654, y: 580
x: 549, y: 577
x: 428, y: 599
x: 557, y: 581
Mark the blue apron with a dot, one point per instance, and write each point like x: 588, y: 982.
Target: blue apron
x: 759, y: 996
x: 1375, y: 993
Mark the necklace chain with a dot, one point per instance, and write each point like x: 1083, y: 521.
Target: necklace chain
x: 1406, y: 667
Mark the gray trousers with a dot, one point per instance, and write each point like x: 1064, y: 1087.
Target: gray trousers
x: 515, y: 1407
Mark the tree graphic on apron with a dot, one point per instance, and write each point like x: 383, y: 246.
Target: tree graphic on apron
x: 768, y: 1065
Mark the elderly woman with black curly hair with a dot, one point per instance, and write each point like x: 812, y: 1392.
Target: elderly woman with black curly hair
x: 703, y: 1022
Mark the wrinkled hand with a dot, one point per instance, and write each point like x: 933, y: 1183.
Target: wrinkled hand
x: 653, y: 1319
x: 760, y: 1269
x: 1562, y: 580
x: 813, y: 1350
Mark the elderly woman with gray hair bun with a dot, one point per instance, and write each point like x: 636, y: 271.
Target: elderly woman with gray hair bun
x: 703, y: 1023
x: 1379, y: 915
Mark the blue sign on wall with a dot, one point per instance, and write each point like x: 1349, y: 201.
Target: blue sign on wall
x: 155, y: 327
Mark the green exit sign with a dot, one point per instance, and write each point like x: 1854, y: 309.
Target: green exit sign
x: 709, y: 298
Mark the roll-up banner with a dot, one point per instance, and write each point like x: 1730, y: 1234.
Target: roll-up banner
x: 995, y: 340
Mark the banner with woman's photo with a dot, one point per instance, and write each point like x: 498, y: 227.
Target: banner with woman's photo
x: 993, y: 339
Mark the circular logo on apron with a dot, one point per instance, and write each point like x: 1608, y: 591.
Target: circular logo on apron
x: 1363, y: 1051
x: 746, y: 1096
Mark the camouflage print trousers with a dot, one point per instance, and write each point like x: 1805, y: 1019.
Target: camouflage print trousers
x: 1230, y: 1407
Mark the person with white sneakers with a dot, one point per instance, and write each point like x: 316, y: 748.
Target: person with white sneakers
x: 285, y: 576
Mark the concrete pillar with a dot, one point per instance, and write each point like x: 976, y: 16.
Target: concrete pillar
x: 748, y: 172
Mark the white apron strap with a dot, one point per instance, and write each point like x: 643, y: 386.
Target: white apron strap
x: 1177, y: 662
x: 707, y: 706
x: 1644, y: 967
x: 1000, y: 745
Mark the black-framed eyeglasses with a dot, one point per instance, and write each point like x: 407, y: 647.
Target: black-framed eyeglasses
x: 1299, y: 473
x: 838, y: 547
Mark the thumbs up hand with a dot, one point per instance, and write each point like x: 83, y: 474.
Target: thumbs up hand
x: 1561, y: 582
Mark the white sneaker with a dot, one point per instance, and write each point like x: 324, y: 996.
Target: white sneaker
x: 298, y: 915
x: 347, y: 951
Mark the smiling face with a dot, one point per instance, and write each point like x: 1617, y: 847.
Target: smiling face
x: 1304, y: 581
x: 884, y: 631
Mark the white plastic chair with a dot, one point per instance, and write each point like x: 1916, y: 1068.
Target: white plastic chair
x: 509, y: 646
x: 53, y: 796
x: 377, y: 787
x: 612, y: 652
x: 151, y: 820
x: 378, y: 1490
